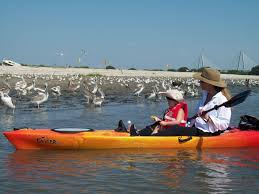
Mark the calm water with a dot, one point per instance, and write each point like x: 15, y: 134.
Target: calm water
x: 121, y: 171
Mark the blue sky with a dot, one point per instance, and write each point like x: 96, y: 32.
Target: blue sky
x: 129, y: 33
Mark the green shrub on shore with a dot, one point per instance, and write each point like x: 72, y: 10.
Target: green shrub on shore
x: 110, y: 67
x: 254, y: 70
x: 153, y: 70
x: 86, y: 67
x: 31, y: 65
x: 237, y: 72
x: 132, y: 68
x: 183, y: 69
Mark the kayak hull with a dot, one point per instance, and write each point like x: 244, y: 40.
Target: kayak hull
x: 32, y: 139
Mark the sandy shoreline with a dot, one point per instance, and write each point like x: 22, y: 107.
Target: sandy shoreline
x: 24, y: 70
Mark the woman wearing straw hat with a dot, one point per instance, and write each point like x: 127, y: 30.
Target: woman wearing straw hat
x: 214, y: 122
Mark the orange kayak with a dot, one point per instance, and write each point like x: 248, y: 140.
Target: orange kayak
x: 109, y: 139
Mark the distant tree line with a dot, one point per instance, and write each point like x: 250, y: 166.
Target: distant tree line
x: 253, y: 71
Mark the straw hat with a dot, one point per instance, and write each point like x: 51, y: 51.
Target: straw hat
x: 174, y: 94
x: 211, y: 76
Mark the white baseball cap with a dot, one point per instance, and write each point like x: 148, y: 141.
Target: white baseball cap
x: 174, y: 94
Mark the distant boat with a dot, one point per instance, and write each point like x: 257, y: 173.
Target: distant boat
x: 10, y: 63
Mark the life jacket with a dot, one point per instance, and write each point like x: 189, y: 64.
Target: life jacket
x: 172, y: 112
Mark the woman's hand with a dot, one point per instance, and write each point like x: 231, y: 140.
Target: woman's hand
x: 200, y: 112
x: 205, y: 117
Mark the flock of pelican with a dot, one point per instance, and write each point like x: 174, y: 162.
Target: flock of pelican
x: 15, y: 87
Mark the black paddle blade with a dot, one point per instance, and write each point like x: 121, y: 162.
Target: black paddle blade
x: 237, y: 99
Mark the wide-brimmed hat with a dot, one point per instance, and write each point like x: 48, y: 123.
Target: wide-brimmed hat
x: 173, y: 94
x: 211, y: 76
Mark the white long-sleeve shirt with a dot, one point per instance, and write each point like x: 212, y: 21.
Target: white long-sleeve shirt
x: 220, y: 118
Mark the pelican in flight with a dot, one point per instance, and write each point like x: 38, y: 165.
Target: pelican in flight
x: 7, y: 100
x: 41, y: 97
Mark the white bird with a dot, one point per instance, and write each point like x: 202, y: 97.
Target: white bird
x: 137, y: 92
x: 56, y: 91
x: 39, y: 89
x: 101, y: 93
x: 20, y: 87
x: 95, y: 89
x: 20, y: 84
x: 73, y: 86
x: 7, y: 100
x: 88, y: 95
x: 31, y: 87
x: 41, y: 97
x: 164, y: 85
x: 97, y: 101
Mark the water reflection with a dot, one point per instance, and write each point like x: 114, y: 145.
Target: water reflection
x: 7, y: 120
x: 160, y: 170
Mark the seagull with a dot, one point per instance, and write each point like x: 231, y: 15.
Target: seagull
x: 41, y: 97
x: 7, y: 100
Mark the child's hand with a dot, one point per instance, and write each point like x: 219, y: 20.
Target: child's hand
x: 163, y: 123
x: 155, y: 118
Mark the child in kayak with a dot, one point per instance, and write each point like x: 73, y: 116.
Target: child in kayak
x: 176, y: 114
